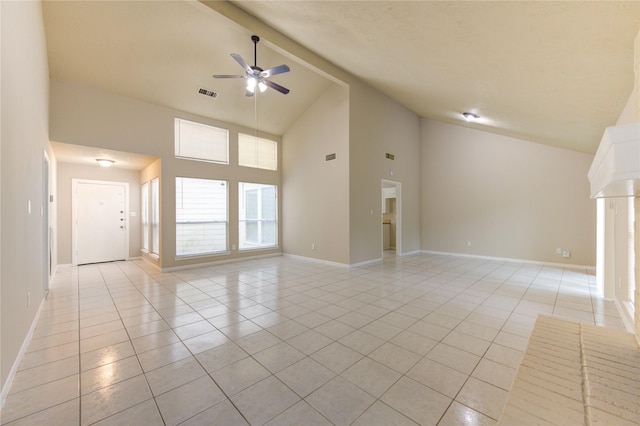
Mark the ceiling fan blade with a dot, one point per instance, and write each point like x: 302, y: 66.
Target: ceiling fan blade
x: 242, y: 63
x: 276, y: 86
x: 228, y: 76
x: 280, y: 69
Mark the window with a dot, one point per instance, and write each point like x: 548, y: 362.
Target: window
x: 201, y: 216
x: 201, y: 142
x: 258, y: 216
x: 144, y: 216
x: 257, y: 152
x: 155, y: 216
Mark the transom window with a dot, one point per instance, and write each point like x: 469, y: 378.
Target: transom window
x: 198, y: 141
x: 257, y: 152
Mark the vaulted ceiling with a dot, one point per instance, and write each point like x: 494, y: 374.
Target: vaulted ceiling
x: 556, y: 73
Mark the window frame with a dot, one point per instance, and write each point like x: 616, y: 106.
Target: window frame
x: 244, y: 138
x: 182, y: 255
x: 260, y: 220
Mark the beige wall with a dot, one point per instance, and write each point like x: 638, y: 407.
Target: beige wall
x: 24, y: 139
x: 379, y: 125
x: 67, y: 172
x: 511, y: 198
x: 315, y: 192
x: 83, y: 115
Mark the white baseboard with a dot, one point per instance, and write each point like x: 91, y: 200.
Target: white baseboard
x: 590, y: 268
x: 219, y: 262
x: 23, y: 349
x: 313, y: 259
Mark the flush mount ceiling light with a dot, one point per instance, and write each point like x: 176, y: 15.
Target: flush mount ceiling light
x: 105, y: 162
x: 469, y: 116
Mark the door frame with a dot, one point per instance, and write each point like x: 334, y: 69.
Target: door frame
x: 47, y: 249
x: 74, y: 213
x: 385, y: 183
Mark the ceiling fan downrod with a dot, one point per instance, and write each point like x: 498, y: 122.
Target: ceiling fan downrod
x: 255, y: 40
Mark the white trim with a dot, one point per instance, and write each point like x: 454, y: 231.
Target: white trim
x: 365, y: 262
x: 21, y: 353
x: 217, y: 262
x: 625, y: 314
x: 409, y: 253
x: 316, y: 260
x: 589, y: 268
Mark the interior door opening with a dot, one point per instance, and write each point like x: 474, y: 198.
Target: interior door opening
x: 391, y: 218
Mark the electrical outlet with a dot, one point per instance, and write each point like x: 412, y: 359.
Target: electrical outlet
x: 313, y: 246
x: 558, y: 250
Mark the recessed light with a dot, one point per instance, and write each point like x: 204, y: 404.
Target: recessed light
x: 469, y: 116
x: 105, y: 162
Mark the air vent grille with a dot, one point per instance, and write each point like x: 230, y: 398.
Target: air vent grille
x: 207, y: 92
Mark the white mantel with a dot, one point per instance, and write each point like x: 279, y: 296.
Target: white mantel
x: 615, y: 171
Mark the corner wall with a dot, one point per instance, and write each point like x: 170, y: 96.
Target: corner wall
x: 315, y: 192
x: 508, y: 197
x: 25, y: 121
x: 379, y: 125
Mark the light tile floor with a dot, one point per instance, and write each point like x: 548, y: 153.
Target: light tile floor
x: 422, y: 339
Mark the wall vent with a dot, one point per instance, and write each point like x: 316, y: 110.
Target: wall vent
x: 390, y: 156
x: 207, y: 92
x: 330, y: 157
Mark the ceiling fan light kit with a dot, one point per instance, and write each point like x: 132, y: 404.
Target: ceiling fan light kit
x: 256, y: 76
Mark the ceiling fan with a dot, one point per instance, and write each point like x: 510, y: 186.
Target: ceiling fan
x: 257, y: 77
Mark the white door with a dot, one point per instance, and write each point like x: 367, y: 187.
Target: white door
x: 100, y: 221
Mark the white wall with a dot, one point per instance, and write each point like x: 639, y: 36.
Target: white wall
x: 67, y: 172
x: 24, y: 139
x: 509, y: 197
x: 315, y: 192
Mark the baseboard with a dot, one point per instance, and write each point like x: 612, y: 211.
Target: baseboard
x: 313, y: 259
x: 219, y: 262
x: 23, y: 349
x: 589, y: 268
x: 625, y: 314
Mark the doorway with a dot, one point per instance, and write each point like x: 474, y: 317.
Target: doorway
x: 99, y: 229
x: 391, y: 218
